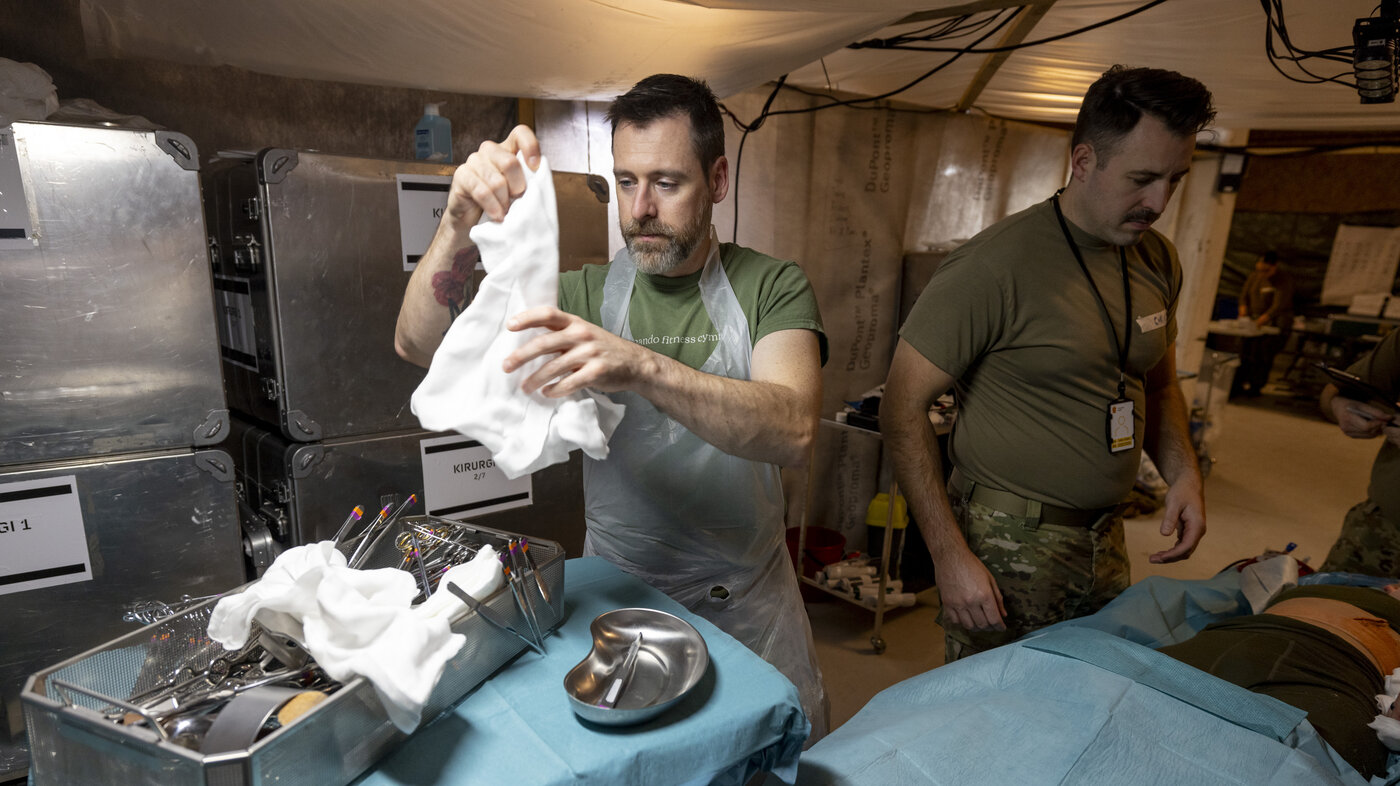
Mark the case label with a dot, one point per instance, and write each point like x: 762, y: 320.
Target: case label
x: 16, y: 231
x: 422, y: 200
x: 43, y: 542
x: 461, y: 480
x: 238, y: 341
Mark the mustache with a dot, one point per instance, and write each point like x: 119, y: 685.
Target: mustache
x: 1147, y: 216
x: 649, y: 227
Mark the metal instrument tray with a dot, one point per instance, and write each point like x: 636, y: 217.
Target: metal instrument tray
x: 71, y: 741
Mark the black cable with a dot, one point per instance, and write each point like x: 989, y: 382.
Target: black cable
x: 1274, y: 23
x: 880, y: 43
x: 766, y: 112
x: 901, y: 89
x: 739, y: 156
x: 1311, y: 150
x: 956, y: 27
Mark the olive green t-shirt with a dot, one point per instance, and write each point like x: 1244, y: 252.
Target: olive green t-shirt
x: 1011, y: 317
x: 1382, y: 368
x: 668, y: 316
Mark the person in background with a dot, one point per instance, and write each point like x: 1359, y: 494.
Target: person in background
x: 1370, y: 539
x: 1055, y: 328
x: 1267, y: 299
x: 715, y: 349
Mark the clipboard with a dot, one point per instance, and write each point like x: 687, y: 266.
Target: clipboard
x: 1353, y: 387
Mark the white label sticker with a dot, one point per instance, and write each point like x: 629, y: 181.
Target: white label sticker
x: 16, y: 229
x: 237, y: 335
x: 1152, y: 322
x: 461, y: 480
x: 42, y: 539
x: 422, y: 200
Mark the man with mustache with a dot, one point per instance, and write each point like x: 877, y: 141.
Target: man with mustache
x: 1055, y: 328
x: 715, y: 349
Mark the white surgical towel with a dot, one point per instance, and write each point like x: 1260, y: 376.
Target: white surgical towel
x: 465, y: 389
x: 1261, y: 581
x: 358, y: 622
x: 1387, y: 728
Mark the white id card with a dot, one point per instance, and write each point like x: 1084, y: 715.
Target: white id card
x: 1120, y: 426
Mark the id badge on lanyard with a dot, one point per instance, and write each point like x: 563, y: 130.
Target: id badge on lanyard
x: 1120, y: 425
x: 1119, y: 429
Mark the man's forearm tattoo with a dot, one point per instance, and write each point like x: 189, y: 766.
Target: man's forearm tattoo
x: 452, y: 288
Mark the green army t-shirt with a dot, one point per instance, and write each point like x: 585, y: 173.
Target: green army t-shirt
x: 667, y: 315
x: 1382, y: 368
x: 1011, y: 317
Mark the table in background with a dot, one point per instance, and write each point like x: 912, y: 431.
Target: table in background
x: 517, y: 727
x: 1338, y: 341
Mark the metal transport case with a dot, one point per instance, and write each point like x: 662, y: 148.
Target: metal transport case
x: 309, y: 275
x: 157, y: 526
x: 311, y: 265
x: 292, y: 493
x: 331, y: 744
x: 106, y: 306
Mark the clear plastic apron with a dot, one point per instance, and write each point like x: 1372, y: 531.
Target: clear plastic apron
x: 693, y: 521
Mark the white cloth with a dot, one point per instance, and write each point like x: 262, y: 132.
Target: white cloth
x: 358, y: 622
x: 1387, y: 728
x: 27, y: 92
x: 1261, y: 581
x: 465, y: 389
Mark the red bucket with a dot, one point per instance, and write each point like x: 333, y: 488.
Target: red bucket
x: 824, y: 546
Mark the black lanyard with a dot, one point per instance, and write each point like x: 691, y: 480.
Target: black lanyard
x: 1127, y: 299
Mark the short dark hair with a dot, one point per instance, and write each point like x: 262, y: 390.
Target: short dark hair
x: 664, y: 95
x: 1271, y: 257
x: 1117, y: 101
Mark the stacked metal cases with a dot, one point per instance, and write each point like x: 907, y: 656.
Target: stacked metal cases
x: 312, y: 254
x: 110, y: 493
x: 309, y: 275
x: 293, y: 493
x: 332, y: 744
x: 110, y: 343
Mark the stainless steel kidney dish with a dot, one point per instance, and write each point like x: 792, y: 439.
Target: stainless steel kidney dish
x: 667, y: 659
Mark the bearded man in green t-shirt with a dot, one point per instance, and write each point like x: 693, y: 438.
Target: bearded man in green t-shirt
x: 1055, y: 328
x: 716, y: 351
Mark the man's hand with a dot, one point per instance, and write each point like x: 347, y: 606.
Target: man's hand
x: 1184, y: 515
x: 583, y: 355
x: 1360, y: 420
x: 491, y: 178
x: 968, y: 592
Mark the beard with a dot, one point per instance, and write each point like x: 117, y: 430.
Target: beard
x: 670, y: 247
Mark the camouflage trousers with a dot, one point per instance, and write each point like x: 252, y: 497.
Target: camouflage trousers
x: 1368, y: 544
x: 1046, y: 572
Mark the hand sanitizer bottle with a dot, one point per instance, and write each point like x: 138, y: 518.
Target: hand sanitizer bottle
x: 432, y: 137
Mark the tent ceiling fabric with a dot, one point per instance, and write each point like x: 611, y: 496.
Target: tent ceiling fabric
x: 566, y: 49
x: 594, y: 49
